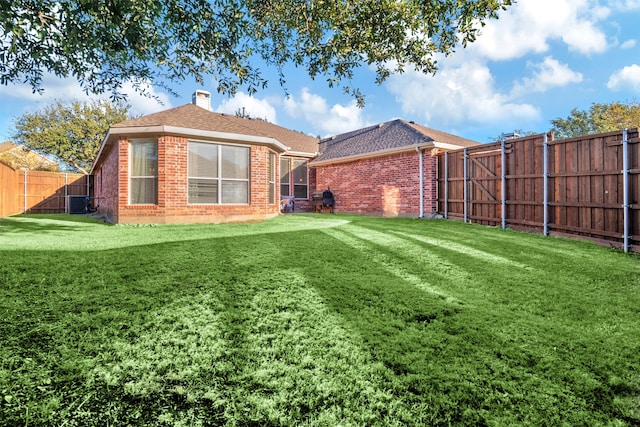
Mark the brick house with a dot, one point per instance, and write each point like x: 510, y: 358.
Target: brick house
x: 189, y: 164
x: 386, y: 169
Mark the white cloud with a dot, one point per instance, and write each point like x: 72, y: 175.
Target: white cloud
x: 457, y: 95
x: 625, y: 78
x: 254, y: 107
x: 528, y: 25
x: 330, y: 120
x: 626, y: 5
x: 142, y: 104
x: 548, y: 74
x: 68, y: 89
x: 629, y: 44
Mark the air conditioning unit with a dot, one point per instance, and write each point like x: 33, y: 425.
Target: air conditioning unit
x: 77, y: 204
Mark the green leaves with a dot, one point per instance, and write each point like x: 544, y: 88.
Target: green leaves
x: 106, y: 44
x: 71, y: 132
x: 598, y: 119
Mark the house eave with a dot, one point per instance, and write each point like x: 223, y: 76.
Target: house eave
x: 387, y: 152
x: 300, y: 154
x: 141, y: 131
x: 372, y: 154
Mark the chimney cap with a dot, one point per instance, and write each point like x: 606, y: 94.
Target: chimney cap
x: 202, y: 98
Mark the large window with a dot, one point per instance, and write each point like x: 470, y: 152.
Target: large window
x: 143, y: 183
x: 284, y: 176
x: 218, y: 174
x: 293, y: 174
x: 272, y: 178
x: 299, y: 169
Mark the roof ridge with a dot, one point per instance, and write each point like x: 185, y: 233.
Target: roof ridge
x: 228, y: 119
x: 414, y: 129
x: 352, y: 134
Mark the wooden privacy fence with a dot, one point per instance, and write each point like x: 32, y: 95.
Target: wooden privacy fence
x: 25, y: 191
x: 587, y: 186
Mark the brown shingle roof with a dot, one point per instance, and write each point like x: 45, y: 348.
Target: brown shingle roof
x: 395, y: 134
x: 190, y: 116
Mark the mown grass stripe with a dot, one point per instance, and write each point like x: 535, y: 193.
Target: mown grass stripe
x: 356, y: 238
x: 464, y: 250
x: 313, y: 320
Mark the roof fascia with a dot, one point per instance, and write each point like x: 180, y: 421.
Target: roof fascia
x: 448, y: 146
x: 193, y: 133
x: 373, y: 154
x: 391, y: 151
x: 102, y: 146
x: 207, y: 134
x: 300, y: 154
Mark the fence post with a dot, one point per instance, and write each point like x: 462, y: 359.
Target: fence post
x: 545, y: 175
x: 446, y: 184
x: 465, y: 189
x: 625, y: 186
x: 25, y: 192
x: 66, y: 194
x: 503, y: 179
x: 421, y: 175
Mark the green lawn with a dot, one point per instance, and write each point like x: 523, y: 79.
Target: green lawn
x: 317, y: 320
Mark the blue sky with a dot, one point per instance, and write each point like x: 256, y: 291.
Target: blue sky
x: 540, y: 60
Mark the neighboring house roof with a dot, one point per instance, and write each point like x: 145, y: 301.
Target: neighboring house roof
x: 391, y: 137
x: 190, y: 116
x: 20, y: 157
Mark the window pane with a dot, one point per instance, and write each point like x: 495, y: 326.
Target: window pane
x: 272, y: 178
x: 144, y: 191
x: 235, y: 192
x: 300, y: 191
x: 299, y: 171
x: 284, y: 171
x: 144, y: 158
x: 235, y: 162
x: 144, y: 172
x: 272, y: 167
x: 203, y: 190
x: 203, y: 160
x: 284, y: 190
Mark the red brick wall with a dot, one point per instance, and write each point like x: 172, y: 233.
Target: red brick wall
x: 106, y: 179
x: 388, y: 186
x: 172, y: 204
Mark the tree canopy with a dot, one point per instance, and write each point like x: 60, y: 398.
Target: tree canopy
x: 105, y: 44
x: 597, y: 119
x: 72, y: 132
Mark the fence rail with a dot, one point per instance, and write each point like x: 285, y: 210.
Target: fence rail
x: 25, y: 191
x: 587, y: 186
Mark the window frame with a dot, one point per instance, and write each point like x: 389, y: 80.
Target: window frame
x: 290, y: 183
x: 271, y: 179
x: 219, y: 179
x: 133, y: 177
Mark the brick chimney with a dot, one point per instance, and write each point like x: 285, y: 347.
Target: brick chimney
x: 202, y: 99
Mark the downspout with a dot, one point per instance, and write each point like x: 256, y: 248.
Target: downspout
x: 421, y: 162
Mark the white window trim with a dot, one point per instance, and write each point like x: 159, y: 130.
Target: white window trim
x: 292, y: 184
x: 273, y: 169
x: 130, y: 172
x: 219, y: 179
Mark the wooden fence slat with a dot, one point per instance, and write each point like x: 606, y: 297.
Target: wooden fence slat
x: 43, y: 192
x: 584, y: 185
x: 9, y: 203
